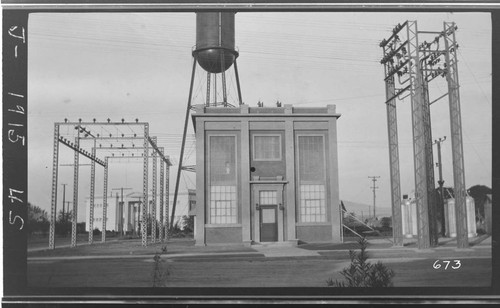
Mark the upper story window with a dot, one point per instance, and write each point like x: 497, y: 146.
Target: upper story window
x: 222, y: 179
x: 267, y: 147
x: 311, y: 165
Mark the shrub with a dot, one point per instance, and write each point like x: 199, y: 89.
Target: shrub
x: 363, y: 274
x: 160, y: 270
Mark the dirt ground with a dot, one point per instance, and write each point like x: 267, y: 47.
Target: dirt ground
x: 128, y: 264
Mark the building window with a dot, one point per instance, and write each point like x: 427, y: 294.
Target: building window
x: 267, y: 147
x: 222, y: 180
x: 311, y: 165
x: 223, y: 205
x: 268, y: 197
x: 312, y: 203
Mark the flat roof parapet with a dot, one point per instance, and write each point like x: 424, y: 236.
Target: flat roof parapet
x: 286, y: 109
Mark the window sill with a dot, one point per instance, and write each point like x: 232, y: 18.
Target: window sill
x: 222, y: 225
x: 305, y: 224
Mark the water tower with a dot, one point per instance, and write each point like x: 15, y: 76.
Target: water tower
x: 215, y: 53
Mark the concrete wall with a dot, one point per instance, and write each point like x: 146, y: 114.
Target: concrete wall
x: 222, y: 235
x: 314, y: 233
x: 286, y: 121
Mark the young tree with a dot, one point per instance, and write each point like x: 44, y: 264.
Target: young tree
x: 38, y: 221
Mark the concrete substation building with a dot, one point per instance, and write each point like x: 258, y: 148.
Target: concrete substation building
x: 266, y: 174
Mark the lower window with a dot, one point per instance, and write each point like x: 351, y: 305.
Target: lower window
x: 312, y: 203
x: 223, y: 205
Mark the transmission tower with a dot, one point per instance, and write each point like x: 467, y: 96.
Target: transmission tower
x: 409, y: 68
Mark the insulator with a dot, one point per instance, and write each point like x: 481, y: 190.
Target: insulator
x: 65, y: 120
x: 136, y: 120
x: 123, y: 154
x: 80, y: 120
x: 110, y: 135
x: 94, y: 120
x: 109, y: 120
x: 123, y: 120
x: 123, y: 135
x: 111, y: 145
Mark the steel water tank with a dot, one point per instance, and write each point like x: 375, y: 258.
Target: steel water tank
x: 215, y: 51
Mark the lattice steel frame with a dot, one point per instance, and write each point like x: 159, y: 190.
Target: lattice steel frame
x: 53, y: 207
x: 162, y: 188
x: 167, y: 201
x: 414, y: 59
x: 92, y: 196
x: 77, y: 151
x: 144, y: 230
x: 456, y: 134
x: 104, y: 201
x: 75, y: 191
x: 153, y: 205
x: 392, y: 128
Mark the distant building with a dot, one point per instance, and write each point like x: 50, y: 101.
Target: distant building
x: 130, y: 212
x: 266, y: 174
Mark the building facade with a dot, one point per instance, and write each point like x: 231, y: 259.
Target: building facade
x: 266, y: 174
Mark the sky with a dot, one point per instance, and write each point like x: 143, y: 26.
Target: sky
x: 138, y: 65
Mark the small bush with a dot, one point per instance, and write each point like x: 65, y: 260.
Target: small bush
x: 160, y: 270
x: 363, y: 274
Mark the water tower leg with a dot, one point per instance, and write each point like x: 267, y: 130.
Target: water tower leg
x: 237, y: 81
x: 186, y: 120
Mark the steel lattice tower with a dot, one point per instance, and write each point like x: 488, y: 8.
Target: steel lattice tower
x: 415, y: 65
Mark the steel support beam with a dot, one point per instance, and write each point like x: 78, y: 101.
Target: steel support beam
x: 53, y: 207
x: 92, y: 196
x: 181, y: 156
x: 167, y: 200
x: 162, y: 189
x: 419, y: 139
x: 237, y: 82
x: 207, y: 103
x: 392, y: 127
x: 431, y: 191
x: 105, y: 200
x: 153, y: 205
x: 224, y: 94
x: 144, y: 230
x: 456, y: 135
x: 75, y: 191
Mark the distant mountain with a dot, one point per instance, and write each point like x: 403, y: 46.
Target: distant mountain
x: 366, y: 210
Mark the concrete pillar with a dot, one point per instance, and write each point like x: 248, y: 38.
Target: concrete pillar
x: 245, y: 178
x: 333, y: 176
x: 200, y: 180
x: 290, y: 202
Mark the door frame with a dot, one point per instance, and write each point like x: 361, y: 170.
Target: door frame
x: 275, y: 208
x: 280, y: 209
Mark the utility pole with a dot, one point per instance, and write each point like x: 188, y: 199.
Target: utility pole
x: 119, y: 210
x: 374, y: 180
x: 67, y: 212
x: 64, y: 200
x: 441, y: 182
